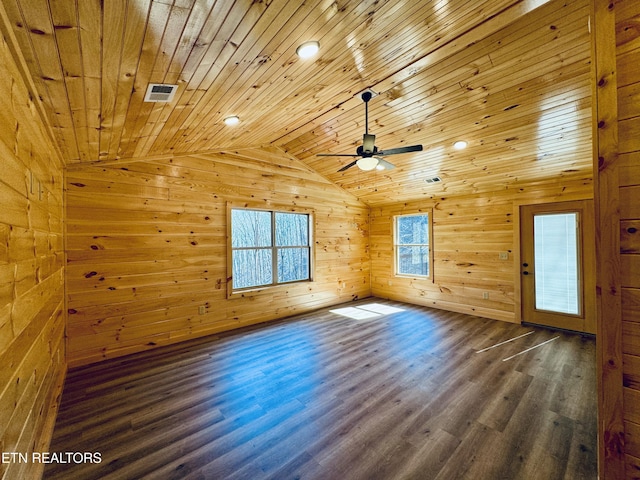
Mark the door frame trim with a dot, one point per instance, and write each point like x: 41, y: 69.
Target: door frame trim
x: 588, y: 260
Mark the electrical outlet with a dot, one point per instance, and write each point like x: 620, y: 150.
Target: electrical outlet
x: 504, y: 255
x: 485, y: 295
x: 202, y: 310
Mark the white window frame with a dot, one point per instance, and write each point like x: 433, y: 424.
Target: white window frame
x: 396, y: 250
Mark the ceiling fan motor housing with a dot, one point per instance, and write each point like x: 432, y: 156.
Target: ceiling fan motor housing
x: 368, y: 144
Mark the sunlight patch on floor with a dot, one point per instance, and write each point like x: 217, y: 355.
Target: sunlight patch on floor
x: 381, y: 308
x: 364, y: 312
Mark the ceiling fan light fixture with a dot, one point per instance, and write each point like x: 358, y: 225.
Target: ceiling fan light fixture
x: 308, y: 49
x: 460, y: 145
x: 367, y: 163
x: 232, y: 120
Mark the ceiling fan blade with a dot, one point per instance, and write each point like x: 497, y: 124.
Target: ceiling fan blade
x: 336, y: 155
x: 368, y: 143
x: 349, y: 165
x: 395, y: 151
x: 385, y: 165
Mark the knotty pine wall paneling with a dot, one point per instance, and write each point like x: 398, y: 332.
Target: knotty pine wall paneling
x: 627, y: 15
x: 469, y: 232
x: 147, y: 247
x: 32, y: 314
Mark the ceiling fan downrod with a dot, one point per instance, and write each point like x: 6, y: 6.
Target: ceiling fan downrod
x: 366, y: 96
x: 369, y: 157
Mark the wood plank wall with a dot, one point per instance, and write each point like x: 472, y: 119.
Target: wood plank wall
x: 32, y: 315
x: 611, y: 464
x: 628, y: 81
x: 469, y: 232
x: 146, y: 246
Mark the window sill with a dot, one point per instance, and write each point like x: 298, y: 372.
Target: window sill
x: 265, y: 290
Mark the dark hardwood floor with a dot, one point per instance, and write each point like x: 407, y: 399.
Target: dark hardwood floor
x: 407, y: 395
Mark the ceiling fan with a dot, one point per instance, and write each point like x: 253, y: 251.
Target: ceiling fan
x: 368, y: 153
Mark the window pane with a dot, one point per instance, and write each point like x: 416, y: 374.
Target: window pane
x: 250, y: 228
x: 413, y: 260
x: 292, y: 229
x: 269, y: 247
x: 293, y: 264
x: 556, y: 262
x: 413, y: 229
x: 252, y: 267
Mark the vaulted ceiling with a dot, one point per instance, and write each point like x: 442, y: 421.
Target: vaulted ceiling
x: 512, y: 78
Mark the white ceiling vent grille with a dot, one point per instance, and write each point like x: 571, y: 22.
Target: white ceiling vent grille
x: 433, y: 180
x: 160, y: 92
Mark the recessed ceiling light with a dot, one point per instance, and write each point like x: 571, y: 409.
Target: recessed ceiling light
x: 232, y: 120
x: 460, y: 145
x: 308, y: 49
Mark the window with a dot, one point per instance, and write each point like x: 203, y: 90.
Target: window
x: 269, y: 248
x: 411, y: 244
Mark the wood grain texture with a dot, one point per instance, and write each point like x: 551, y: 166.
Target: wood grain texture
x: 32, y: 315
x: 510, y: 77
x: 617, y: 77
x: 513, y: 75
x: 319, y: 395
x: 585, y: 230
x: 147, y: 242
x: 627, y: 49
x: 469, y: 232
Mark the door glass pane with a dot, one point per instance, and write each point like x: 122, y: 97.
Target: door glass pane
x: 556, y: 263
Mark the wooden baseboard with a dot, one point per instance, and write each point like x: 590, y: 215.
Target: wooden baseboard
x: 493, y: 314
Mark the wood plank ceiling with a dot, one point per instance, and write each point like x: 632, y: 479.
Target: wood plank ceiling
x: 510, y: 77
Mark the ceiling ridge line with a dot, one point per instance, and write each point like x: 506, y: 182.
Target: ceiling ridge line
x: 161, y: 156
